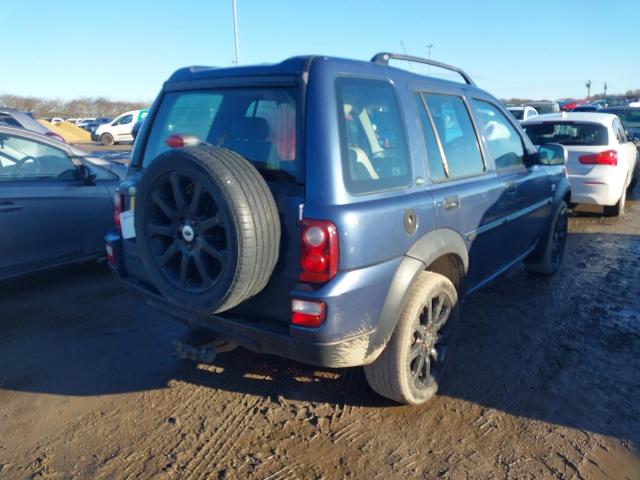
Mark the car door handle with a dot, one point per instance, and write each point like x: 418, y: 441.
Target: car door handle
x: 511, y: 188
x: 451, y: 202
x: 7, y: 206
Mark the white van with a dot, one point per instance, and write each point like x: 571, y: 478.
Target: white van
x: 119, y: 130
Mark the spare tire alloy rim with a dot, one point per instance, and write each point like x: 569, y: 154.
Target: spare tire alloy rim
x: 559, y: 238
x: 430, y: 339
x: 187, y: 231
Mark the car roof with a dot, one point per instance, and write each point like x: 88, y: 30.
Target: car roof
x: 593, y: 117
x: 515, y: 108
x: 301, y: 64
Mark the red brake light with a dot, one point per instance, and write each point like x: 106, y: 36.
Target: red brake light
x: 319, y: 251
x: 179, y: 141
x: 111, y: 258
x: 118, y: 206
x: 608, y: 157
x: 307, y: 313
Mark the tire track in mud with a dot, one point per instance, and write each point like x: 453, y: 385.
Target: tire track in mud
x: 216, y: 449
x: 160, y: 442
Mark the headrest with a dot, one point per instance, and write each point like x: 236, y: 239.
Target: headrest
x: 249, y: 128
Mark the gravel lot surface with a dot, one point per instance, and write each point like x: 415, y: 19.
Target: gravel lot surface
x: 545, y: 385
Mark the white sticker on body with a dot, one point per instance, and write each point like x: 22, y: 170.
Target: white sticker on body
x: 126, y: 224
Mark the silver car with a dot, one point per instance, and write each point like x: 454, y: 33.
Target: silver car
x: 55, y: 202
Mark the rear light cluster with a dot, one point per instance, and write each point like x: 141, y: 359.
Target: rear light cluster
x: 608, y: 157
x: 319, y: 252
x: 306, y: 313
x: 111, y: 258
x: 318, y: 263
x: 118, y: 208
x: 179, y: 141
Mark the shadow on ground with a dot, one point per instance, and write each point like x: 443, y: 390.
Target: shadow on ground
x: 564, y: 350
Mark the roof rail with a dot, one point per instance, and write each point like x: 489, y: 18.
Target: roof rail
x: 384, y: 57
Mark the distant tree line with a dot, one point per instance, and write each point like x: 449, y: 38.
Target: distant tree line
x: 77, y: 108
x: 629, y: 94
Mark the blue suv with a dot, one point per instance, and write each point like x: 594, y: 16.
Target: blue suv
x: 334, y: 211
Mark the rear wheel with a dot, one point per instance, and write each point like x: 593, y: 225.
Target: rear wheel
x: 107, y: 139
x: 412, y: 365
x: 617, y: 210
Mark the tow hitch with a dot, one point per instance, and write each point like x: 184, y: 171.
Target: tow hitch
x: 201, y: 347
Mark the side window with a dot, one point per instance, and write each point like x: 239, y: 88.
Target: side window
x: 620, y: 133
x: 125, y: 120
x: 23, y: 159
x: 456, y: 133
x: 374, y: 144
x: 434, y: 158
x: 503, y: 140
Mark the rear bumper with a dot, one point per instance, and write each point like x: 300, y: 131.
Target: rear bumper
x: 322, y: 346
x: 263, y: 337
x: 596, y: 190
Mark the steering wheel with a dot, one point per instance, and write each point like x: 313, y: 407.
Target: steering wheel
x: 24, y: 162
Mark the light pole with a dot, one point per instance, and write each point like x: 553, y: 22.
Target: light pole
x: 588, y: 85
x: 235, y: 29
x: 429, y: 50
x: 605, y: 88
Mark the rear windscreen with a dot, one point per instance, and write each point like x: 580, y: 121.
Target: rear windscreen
x: 257, y: 123
x: 568, y: 133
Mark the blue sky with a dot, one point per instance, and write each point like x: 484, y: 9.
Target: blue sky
x: 124, y: 50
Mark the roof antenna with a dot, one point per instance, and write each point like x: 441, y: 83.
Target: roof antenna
x: 405, y: 52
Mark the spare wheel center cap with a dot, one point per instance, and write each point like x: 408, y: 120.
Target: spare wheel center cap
x: 188, y: 233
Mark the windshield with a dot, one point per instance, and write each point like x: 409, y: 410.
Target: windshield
x: 257, y: 123
x: 568, y: 133
x: 517, y: 114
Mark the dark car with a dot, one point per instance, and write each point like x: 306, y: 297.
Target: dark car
x: 90, y: 126
x: 136, y: 128
x: 16, y: 118
x: 630, y: 118
x: 334, y: 211
x: 56, y: 204
x: 590, y: 107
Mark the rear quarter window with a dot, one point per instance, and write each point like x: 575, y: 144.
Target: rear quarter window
x: 374, y: 149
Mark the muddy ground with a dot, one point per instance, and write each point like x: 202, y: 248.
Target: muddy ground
x: 546, y: 385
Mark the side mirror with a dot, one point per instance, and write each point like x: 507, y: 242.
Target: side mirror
x: 552, y: 154
x: 86, y: 175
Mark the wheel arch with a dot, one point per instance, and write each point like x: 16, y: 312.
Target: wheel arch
x: 442, y: 251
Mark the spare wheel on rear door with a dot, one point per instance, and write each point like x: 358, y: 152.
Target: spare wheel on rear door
x: 207, y: 228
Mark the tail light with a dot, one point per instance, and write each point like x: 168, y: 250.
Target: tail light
x: 307, y: 313
x: 111, y: 258
x: 179, y: 141
x: 320, y: 250
x: 118, y: 207
x: 608, y: 157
